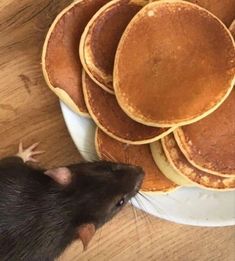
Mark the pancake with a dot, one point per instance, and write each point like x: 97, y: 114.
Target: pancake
x: 100, y: 39
x: 163, y: 77
x: 165, y: 167
x: 209, y: 144
x: 61, y: 65
x: 110, y: 149
x: 109, y: 117
x: 183, y: 167
x: 223, y: 9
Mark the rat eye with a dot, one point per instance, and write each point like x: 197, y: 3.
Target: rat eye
x: 120, y: 202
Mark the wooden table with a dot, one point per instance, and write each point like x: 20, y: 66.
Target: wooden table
x: 29, y: 111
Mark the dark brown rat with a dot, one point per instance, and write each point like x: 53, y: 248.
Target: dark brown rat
x: 43, y: 211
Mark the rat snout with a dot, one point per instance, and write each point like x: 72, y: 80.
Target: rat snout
x: 132, y: 174
x: 139, y: 171
x: 141, y: 175
x: 138, y: 175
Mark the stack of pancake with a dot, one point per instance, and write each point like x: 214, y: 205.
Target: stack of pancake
x: 157, y: 78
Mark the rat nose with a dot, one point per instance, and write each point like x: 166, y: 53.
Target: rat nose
x: 139, y: 181
x: 139, y: 170
x: 139, y: 175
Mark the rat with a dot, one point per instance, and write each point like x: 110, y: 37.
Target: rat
x: 44, y: 211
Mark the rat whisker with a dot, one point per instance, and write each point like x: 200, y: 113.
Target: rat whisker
x: 154, y: 203
x: 144, y: 213
x: 147, y: 218
x: 151, y: 202
x: 141, y: 204
x: 136, y: 220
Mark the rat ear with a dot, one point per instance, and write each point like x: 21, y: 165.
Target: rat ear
x: 85, y: 233
x: 63, y: 176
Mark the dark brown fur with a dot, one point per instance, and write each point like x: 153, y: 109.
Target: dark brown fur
x: 39, y: 217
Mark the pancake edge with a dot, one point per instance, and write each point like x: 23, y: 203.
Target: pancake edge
x: 61, y: 93
x: 166, y: 168
x: 177, y: 123
x: 181, y: 141
x: 193, y: 182
x: 110, y: 134
x: 82, y: 46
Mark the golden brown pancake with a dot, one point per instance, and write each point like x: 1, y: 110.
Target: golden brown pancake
x: 210, y: 143
x: 165, y: 166
x: 62, y: 68
x: 110, y: 149
x: 183, y: 167
x: 223, y: 9
x: 175, y: 64
x: 100, y: 39
x: 109, y: 117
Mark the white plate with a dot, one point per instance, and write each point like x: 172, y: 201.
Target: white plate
x: 192, y: 206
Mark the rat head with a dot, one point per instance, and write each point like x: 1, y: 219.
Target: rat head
x: 99, y: 191
x: 103, y: 188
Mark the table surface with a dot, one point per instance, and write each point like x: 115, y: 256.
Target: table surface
x: 29, y: 111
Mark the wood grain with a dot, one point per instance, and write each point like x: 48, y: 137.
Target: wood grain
x: 29, y: 111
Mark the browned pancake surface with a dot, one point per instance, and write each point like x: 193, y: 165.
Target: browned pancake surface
x: 210, y: 143
x: 62, y: 61
x: 110, y: 149
x: 106, y: 112
x: 223, y: 9
x: 170, y: 66
x: 103, y: 37
x: 180, y: 163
